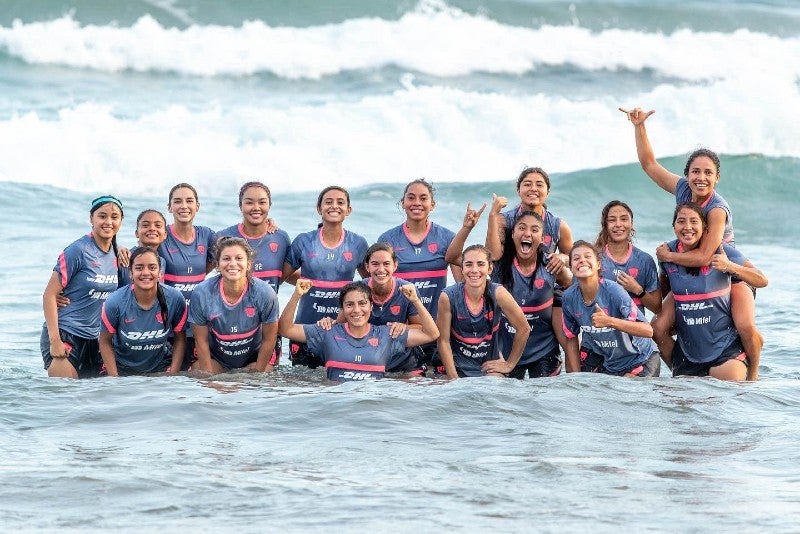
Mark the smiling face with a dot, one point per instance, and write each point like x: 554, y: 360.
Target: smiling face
x: 619, y: 223
x: 233, y: 263
x: 183, y: 205
x: 527, y: 235
x: 255, y: 206
x: 334, y: 206
x: 381, y: 266
x: 417, y: 202
x: 476, y: 267
x: 151, y: 230
x: 583, y: 262
x: 533, y: 190
x: 688, y: 227
x: 703, y: 177
x: 145, y: 271
x: 106, y: 221
x: 356, y: 308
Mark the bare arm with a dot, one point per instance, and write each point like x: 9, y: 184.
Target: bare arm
x: 269, y: 333
x: 496, y: 227
x: 644, y: 151
x: 201, y: 347
x: 453, y: 254
x: 429, y: 332
x: 573, y: 357
x: 57, y: 348
x: 700, y: 256
x: 516, y: 318
x: 286, y: 325
x: 107, y: 353
x: 178, y: 352
x: 746, y: 273
x: 600, y: 319
x: 289, y: 274
x: 443, y: 321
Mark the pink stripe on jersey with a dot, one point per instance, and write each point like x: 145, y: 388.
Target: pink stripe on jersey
x: 182, y: 278
x: 106, y: 322
x: 266, y: 274
x: 356, y: 366
x: 234, y: 337
x: 476, y: 340
x: 182, y: 323
x: 62, y: 267
x: 702, y: 296
x: 543, y: 306
x: 335, y: 284
x: 566, y: 330
x: 422, y: 274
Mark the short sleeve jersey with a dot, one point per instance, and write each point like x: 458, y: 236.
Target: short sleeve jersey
x: 140, y: 336
x: 684, y: 194
x: 329, y: 270
x: 396, y: 308
x: 620, y: 351
x: 350, y: 358
x: 638, y: 264
x: 88, y: 276
x: 473, y: 336
x: 551, y: 233
x: 270, y: 249
x: 234, y: 329
x: 186, y: 261
x: 702, y: 307
x: 422, y: 263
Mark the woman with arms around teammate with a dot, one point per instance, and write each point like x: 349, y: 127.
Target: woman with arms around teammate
x: 356, y: 349
x: 234, y: 316
x: 701, y: 175
x: 187, y: 250
x: 707, y: 341
x: 420, y: 246
x: 328, y: 256
x: 631, y: 267
x: 615, y: 338
x: 271, y: 246
x: 138, y: 319
x: 87, y: 272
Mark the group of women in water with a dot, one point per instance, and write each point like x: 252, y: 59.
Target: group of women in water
x: 519, y: 300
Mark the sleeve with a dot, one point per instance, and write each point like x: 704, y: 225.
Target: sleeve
x: 109, y: 316
x: 69, y: 262
x: 211, y: 245
x: 269, y: 307
x: 399, y: 345
x: 314, y: 339
x: 295, y: 255
x: 568, y: 323
x: 178, y: 312
x: 650, y: 275
x: 623, y: 302
x: 197, y: 306
x: 734, y: 254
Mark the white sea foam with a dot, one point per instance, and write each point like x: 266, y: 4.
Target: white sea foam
x: 444, y: 134
x: 433, y: 39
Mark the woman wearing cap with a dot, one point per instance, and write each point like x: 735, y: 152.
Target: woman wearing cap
x: 87, y: 273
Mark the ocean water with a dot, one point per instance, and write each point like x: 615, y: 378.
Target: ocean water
x: 131, y: 97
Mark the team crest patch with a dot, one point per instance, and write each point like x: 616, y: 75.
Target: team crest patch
x: 373, y: 341
x: 201, y: 249
x: 539, y: 283
x: 547, y: 240
x: 395, y: 310
x: 633, y: 271
x: 159, y: 317
x: 704, y: 269
x: 250, y: 311
x: 273, y: 247
x: 489, y: 315
x: 433, y: 247
x: 348, y: 256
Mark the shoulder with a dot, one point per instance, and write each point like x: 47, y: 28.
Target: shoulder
x: 439, y: 230
x: 231, y: 231
x: 390, y: 235
x: 118, y: 297
x: 262, y: 289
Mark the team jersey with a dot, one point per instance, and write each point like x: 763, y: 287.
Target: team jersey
x: 422, y: 263
x: 350, y: 358
x: 473, y: 337
x: 125, y: 274
x: 551, y: 233
x: 139, y: 336
x: 234, y: 330
x: 88, y: 275
x: 186, y: 261
x: 638, y: 264
x: 620, y: 351
x: 271, y: 250
x: 396, y: 308
x: 702, y: 306
x: 329, y: 269
x: 684, y: 194
x: 534, y: 294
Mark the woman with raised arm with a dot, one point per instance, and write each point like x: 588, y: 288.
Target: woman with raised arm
x: 631, y: 267
x: 234, y: 315
x: 700, y: 177
x: 615, y: 338
x: 86, y: 273
x: 138, y: 319
x: 356, y: 349
x: 707, y: 343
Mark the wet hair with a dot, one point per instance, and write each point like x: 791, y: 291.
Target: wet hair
x: 225, y: 242
x: 420, y: 181
x: 98, y: 203
x: 580, y: 243
x: 179, y: 186
x: 378, y: 247
x: 487, y: 297
x: 145, y: 212
x: 603, y: 237
x: 506, y: 262
x: 533, y: 170
x: 700, y: 152
x: 355, y: 286
x: 248, y: 185
x: 162, y: 300
x: 327, y: 190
